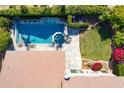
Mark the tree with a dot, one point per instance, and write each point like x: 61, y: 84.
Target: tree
x: 76, y: 25
x: 46, y: 12
x: 23, y: 10
x: 5, y: 23
x: 115, y: 16
x: 35, y: 11
x: 5, y: 40
x: 86, y: 10
x: 14, y: 11
x: 57, y: 10
x: 118, y: 39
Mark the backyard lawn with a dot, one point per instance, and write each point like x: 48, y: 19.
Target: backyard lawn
x: 95, y: 44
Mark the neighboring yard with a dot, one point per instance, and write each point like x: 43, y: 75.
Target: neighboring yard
x: 95, y: 44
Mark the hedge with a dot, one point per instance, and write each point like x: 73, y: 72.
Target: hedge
x: 119, y: 70
x: 86, y: 10
x: 56, y: 10
x: 76, y: 25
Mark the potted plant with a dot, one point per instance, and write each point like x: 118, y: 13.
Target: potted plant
x: 20, y: 45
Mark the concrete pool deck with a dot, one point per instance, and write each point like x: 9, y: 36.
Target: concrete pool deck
x: 72, y: 51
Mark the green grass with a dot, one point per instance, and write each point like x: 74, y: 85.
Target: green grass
x: 95, y: 44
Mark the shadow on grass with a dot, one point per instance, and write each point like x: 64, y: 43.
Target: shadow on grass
x: 105, y: 30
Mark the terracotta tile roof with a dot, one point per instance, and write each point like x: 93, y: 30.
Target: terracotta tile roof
x: 46, y: 69
x: 32, y: 69
x: 95, y: 82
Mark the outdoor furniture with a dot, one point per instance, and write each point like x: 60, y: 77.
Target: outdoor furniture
x: 52, y: 44
x: 30, y: 46
x: 20, y: 45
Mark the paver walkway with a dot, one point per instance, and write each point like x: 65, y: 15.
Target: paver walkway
x: 72, y: 51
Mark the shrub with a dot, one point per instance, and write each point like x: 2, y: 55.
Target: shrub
x: 24, y: 10
x: 86, y: 10
x: 35, y: 11
x: 96, y: 66
x: 69, y: 19
x: 119, y: 55
x: 118, y: 39
x: 56, y: 10
x: 119, y: 70
x: 5, y: 40
x: 14, y: 12
x: 76, y: 25
x: 5, y: 23
x: 4, y: 12
x: 115, y: 17
x: 47, y: 12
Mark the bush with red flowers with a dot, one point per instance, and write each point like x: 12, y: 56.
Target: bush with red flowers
x: 119, y: 55
x: 96, y: 66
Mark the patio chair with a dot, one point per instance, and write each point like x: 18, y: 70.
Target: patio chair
x: 52, y: 44
x: 30, y: 46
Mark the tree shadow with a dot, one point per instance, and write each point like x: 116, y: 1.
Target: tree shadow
x: 2, y: 56
x: 73, y: 32
x: 11, y: 47
x: 112, y: 64
x: 0, y: 65
x: 105, y: 30
x: 92, y: 19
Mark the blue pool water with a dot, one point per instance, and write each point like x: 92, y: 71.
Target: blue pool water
x: 40, y: 33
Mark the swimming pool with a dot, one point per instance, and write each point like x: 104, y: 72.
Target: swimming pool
x: 37, y: 33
